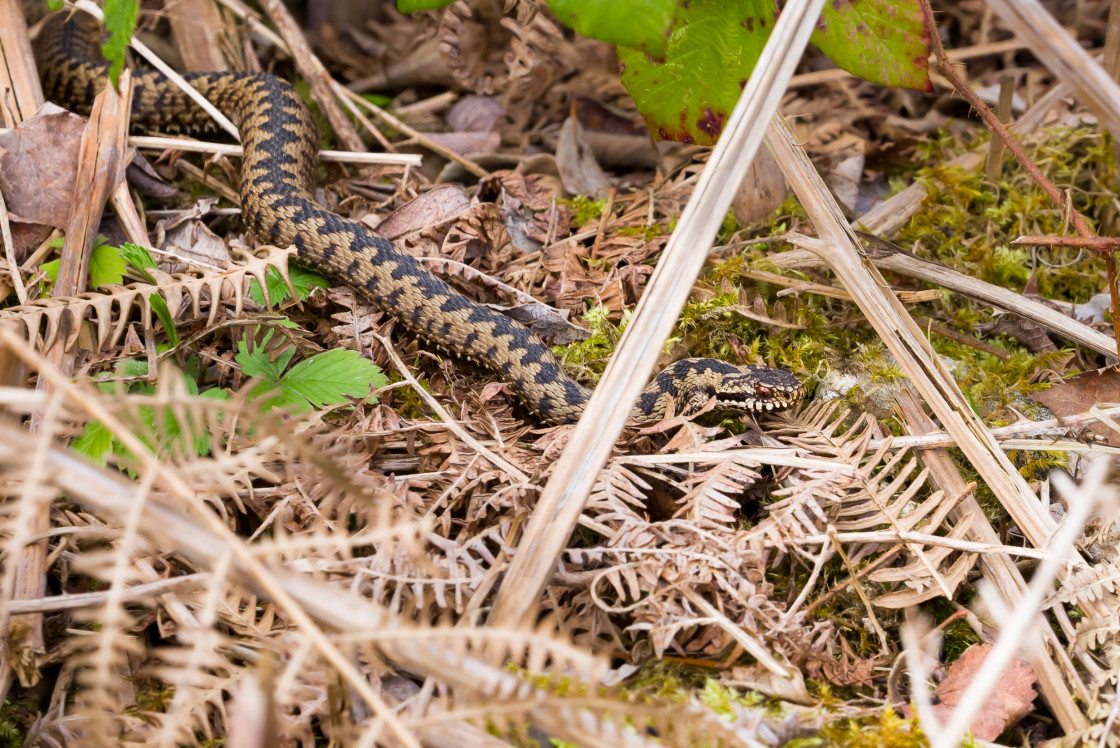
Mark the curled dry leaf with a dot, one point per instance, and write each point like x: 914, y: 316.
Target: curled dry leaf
x: 475, y: 114
x: 38, y: 165
x: 579, y: 170
x: 467, y: 143
x: 443, y: 204
x: 193, y: 240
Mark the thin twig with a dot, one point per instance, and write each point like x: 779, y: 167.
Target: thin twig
x: 992, y: 121
x: 10, y: 253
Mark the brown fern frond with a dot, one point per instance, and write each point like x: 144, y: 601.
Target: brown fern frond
x: 186, y: 295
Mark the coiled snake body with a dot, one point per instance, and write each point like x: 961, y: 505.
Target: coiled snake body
x: 280, y: 143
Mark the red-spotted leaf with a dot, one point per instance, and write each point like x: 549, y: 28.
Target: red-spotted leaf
x: 638, y: 24
x: 710, y: 54
x: 883, y: 41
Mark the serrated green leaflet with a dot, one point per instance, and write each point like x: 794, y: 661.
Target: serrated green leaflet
x: 884, y: 41
x: 643, y: 25
x: 712, y: 50
x: 333, y: 376
x: 120, y: 21
x: 328, y: 378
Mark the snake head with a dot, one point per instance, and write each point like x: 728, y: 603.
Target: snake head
x: 693, y: 382
x: 759, y: 389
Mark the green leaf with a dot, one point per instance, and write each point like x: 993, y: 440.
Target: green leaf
x: 106, y: 266
x: 94, y: 442
x: 302, y: 281
x: 709, y: 56
x: 139, y: 259
x: 415, y: 6
x: 120, y: 20
x: 884, y: 41
x: 330, y: 377
x: 643, y: 25
x: 159, y: 306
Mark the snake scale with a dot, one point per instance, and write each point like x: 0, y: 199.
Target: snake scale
x: 280, y: 142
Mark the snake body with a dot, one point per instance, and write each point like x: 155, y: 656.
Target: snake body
x: 280, y: 142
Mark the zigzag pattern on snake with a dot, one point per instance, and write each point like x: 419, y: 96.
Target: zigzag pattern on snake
x: 280, y: 143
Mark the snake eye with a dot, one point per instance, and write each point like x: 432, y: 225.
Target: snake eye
x: 763, y: 391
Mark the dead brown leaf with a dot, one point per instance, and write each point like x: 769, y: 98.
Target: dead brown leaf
x: 438, y: 206
x: 1079, y: 394
x: 1008, y: 703
x: 579, y: 170
x: 38, y: 163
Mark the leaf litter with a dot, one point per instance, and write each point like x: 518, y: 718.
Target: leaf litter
x: 278, y: 407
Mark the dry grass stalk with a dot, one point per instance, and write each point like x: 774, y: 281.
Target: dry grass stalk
x: 100, y: 167
x: 841, y: 250
x: 637, y: 352
x: 887, y: 257
x: 17, y: 67
x: 1103, y: 413
x: 1057, y: 678
x: 10, y: 253
x: 225, y: 149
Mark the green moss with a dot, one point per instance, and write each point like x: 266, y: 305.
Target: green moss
x: 648, y: 233
x: 888, y: 729
x: 586, y: 359
x: 584, y: 209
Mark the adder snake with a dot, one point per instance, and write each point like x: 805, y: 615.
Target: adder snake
x: 280, y: 142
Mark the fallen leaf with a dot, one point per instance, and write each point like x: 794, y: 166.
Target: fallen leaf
x: 467, y: 142
x: 1009, y: 701
x: 1079, y: 394
x: 548, y: 323
x: 194, y: 241
x: 38, y: 165
x: 579, y: 171
x: 438, y: 206
x: 762, y: 190
x: 475, y: 114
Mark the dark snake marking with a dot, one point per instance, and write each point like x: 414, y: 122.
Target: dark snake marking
x: 280, y: 142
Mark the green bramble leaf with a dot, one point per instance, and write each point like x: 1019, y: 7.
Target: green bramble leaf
x: 106, y: 265
x: 120, y: 21
x: 713, y: 46
x: 643, y: 25
x: 415, y: 6
x: 883, y: 41
x: 710, y: 54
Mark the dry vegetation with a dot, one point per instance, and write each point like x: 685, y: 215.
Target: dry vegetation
x: 222, y: 525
